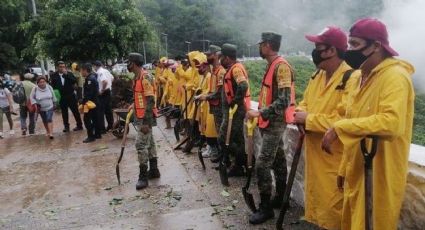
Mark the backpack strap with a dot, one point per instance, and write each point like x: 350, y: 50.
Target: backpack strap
x: 344, y: 80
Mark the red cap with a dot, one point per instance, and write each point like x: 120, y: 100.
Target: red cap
x: 331, y: 35
x: 372, y: 29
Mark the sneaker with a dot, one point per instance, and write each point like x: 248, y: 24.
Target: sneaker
x: 1, y: 135
x: 12, y: 132
x: 206, y: 153
x: 24, y: 132
x: 65, y: 130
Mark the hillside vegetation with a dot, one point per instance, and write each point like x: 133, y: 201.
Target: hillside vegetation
x: 304, y: 69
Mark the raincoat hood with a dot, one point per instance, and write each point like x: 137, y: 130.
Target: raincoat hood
x: 390, y: 62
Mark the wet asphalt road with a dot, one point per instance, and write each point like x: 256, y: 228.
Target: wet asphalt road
x: 66, y: 184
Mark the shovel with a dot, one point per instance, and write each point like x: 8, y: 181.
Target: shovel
x: 222, y: 167
x: 285, y: 203
x: 124, y: 139
x: 249, y: 199
x: 368, y: 178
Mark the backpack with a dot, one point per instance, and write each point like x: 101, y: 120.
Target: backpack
x: 344, y: 80
x: 18, y: 94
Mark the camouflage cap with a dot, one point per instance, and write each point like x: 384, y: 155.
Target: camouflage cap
x: 135, y: 57
x: 270, y: 37
x: 213, y: 49
x: 229, y: 50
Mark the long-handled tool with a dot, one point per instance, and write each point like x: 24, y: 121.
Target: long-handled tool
x: 178, y: 125
x: 368, y: 178
x: 223, y: 163
x: 201, y: 158
x: 124, y: 140
x: 249, y: 199
x: 291, y: 178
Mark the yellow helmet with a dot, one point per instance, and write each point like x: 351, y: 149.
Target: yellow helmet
x: 74, y: 66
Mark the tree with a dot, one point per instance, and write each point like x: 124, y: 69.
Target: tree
x: 12, y: 40
x: 81, y: 30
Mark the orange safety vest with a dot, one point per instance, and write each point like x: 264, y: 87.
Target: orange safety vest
x: 266, y: 94
x: 228, y: 86
x: 139, y: 97
x: 215, y: 102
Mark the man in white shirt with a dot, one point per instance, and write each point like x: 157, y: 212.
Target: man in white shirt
x: 104, y: 78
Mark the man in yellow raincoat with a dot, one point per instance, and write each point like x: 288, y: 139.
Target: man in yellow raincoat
x: 206, y: 119
x: 192, y: 87
x: 161, y: 76
x: 380, y: 103
x: 318, y: 111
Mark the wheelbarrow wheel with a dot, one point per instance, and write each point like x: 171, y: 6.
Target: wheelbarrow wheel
x: 118, y: 129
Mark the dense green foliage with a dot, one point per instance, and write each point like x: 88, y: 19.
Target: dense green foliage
x: 304, y: 68
x: 90, y: 30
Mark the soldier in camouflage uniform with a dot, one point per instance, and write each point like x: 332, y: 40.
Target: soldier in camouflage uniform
x: 235, y: 92
x: 273, y: 100
x: 144, y: 119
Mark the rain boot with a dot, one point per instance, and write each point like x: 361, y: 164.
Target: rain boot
x: 264, y: 213
x: 143, y: 177
x: 153, y: 169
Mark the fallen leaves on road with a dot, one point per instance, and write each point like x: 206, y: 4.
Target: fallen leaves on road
x: 116, y: 201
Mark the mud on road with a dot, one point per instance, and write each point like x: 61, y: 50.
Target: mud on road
x: 66, y: 184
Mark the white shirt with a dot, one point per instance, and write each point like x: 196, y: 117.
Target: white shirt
x: 62, y: 78
x: 104, y: 75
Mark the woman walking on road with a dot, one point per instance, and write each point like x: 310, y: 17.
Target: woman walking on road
x: 43, y: 98
x: 6, y: 107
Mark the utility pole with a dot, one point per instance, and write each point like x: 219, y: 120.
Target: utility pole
x: 166, y: 43
x: 34, y: 11
x: 203, y: 41
x: 188, y: 46
x: 144, y: 51
x: 249, y: 49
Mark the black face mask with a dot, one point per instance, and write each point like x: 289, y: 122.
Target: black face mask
x: 355, y: 58
x: 210, y: 61
x: 317, y: 56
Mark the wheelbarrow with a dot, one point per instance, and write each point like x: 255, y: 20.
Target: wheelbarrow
x: 119, y: 124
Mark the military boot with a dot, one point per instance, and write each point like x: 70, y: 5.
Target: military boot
x: 153, y: 169
x: 236, y: 171
x: 265, y: 211
x: 278, y: 198
x: 143, y: 177
x: 168, y: 122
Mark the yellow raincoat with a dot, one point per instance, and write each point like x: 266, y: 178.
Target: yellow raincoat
x: 182, y: 77
x: 383, y: 107
x: 170, y: 89
x: 206, y: 119
x: 323, y: 200
x: 192, y: 84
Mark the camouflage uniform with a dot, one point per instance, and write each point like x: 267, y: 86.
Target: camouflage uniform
x: 272, y: 155
x: 240, y: 87
x: 216, y: 110
x: 145, y: 144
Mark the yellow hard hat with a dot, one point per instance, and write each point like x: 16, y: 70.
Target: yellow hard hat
x: 86, y: 107
x: 201, y: 58
x: 74, y: 66
x: 163, y: 59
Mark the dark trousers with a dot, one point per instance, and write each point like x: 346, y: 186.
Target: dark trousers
x: 105, y: 110
x: 90, y: 121
x: 71, y: 103
x: 23, y: 114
